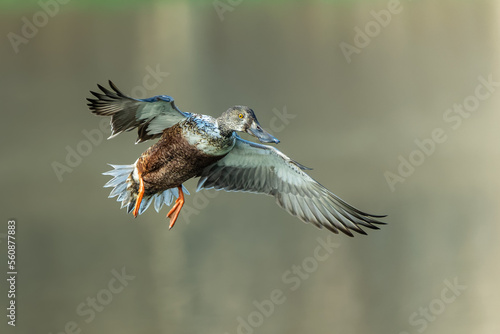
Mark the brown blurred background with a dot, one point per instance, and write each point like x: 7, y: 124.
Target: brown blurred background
x: 351, y: 118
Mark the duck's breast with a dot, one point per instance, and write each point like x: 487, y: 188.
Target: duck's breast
x: 172, y: 161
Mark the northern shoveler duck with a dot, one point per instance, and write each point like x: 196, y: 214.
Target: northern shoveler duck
x: 194, y: 145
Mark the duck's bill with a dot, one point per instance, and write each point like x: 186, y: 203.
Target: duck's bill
x: 264, y: 136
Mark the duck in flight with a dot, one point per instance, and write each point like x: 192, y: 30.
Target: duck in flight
x: 194, y: 145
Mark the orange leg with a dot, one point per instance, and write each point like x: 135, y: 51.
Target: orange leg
x: 176, y: 209
x: 139, y: 196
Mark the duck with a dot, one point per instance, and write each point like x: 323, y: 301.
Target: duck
x: 200, y: 146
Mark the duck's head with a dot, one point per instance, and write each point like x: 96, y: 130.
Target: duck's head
x: 242, y: 118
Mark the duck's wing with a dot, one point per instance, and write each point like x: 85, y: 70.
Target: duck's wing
x: 263, y: 169
x: 151, y: 116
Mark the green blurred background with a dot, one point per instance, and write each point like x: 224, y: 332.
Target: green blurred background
x: 350, y: 120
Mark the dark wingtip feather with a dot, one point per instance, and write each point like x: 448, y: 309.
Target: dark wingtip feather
x: 301, y: 166
x: 375, y: 216
x: 373, y: 221
x: 107, y: 91
x: 360, y: 231
x: 101, y: 102
x: 92, y: 105
x: 95, y: 94
x: 348, y: 232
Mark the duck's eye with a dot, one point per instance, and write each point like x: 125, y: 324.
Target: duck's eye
x: 240, y: 115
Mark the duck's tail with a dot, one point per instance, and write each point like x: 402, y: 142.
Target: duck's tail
x: 126, y: 188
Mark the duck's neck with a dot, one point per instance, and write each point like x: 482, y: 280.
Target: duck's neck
x: 225, y: 131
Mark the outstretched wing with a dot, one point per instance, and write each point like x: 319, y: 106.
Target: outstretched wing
x: 151, y: 116
x: 263, y: 169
